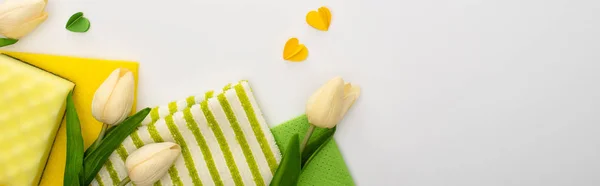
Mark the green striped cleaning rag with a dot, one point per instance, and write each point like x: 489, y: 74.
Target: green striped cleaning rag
x: 224, y: 139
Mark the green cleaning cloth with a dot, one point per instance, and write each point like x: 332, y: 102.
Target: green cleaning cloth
x: 327, y: 167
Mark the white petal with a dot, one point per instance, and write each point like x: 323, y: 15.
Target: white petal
x: 351, y: 93
x: 14, y: 13
x: 25, y: 28
x: 151, y: 162
x: 119, y: 104
x: 145, y: 152
x: 103, y: 94
x: 324, y: 106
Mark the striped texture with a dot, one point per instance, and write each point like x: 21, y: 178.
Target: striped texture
x: 223, y: 135
x: 160, y: 112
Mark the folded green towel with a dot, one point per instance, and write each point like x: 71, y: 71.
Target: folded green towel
x: 224, y: 140
x: 327, y: 168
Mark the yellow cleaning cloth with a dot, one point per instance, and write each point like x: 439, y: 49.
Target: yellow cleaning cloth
x: 32, y: 106
x: 87, y: 74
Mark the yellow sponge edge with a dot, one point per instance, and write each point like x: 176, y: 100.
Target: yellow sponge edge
x: 87, y: 74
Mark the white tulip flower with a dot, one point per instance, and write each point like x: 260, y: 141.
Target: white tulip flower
x: 19, y: 17
x: 151, y: 162
x: 328, y: 105
x: 113, y: 99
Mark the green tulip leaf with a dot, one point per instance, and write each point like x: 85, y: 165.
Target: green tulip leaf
x: 78, y: 23
x: 90, y: 149
x: 74, y: 166
x: 7, y: 41
x: 289, y: 169
x: 314, y: 146
x: 96, y: 158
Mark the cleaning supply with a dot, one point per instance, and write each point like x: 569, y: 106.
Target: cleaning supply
x: 87, y: 74
x: 175, y: 106
x: 32, y: 106
x: 327, y: 167
x: 223, y: 137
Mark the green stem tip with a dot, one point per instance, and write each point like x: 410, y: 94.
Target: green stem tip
x: 309, y: 133
x: 101, y: 135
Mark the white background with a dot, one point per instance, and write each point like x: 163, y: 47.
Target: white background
x: 460, y: 93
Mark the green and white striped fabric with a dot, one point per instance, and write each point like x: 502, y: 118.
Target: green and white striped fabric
x: 224, y: 139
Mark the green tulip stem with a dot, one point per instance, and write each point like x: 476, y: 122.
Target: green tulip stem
x: 125, y: 181
x: 101, y: 135
x: 309, y: 133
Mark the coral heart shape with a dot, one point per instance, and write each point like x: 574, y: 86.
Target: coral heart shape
x: 320, y: 19
x: 294, y: 51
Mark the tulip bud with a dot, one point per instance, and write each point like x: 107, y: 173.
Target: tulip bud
x: 151, y: 162
x: 19, y: 17
x: 113, y: 99
x: 328, y: 105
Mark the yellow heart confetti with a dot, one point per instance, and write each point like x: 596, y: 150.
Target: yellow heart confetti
x: 319, y: 20
x: 294, y: 51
